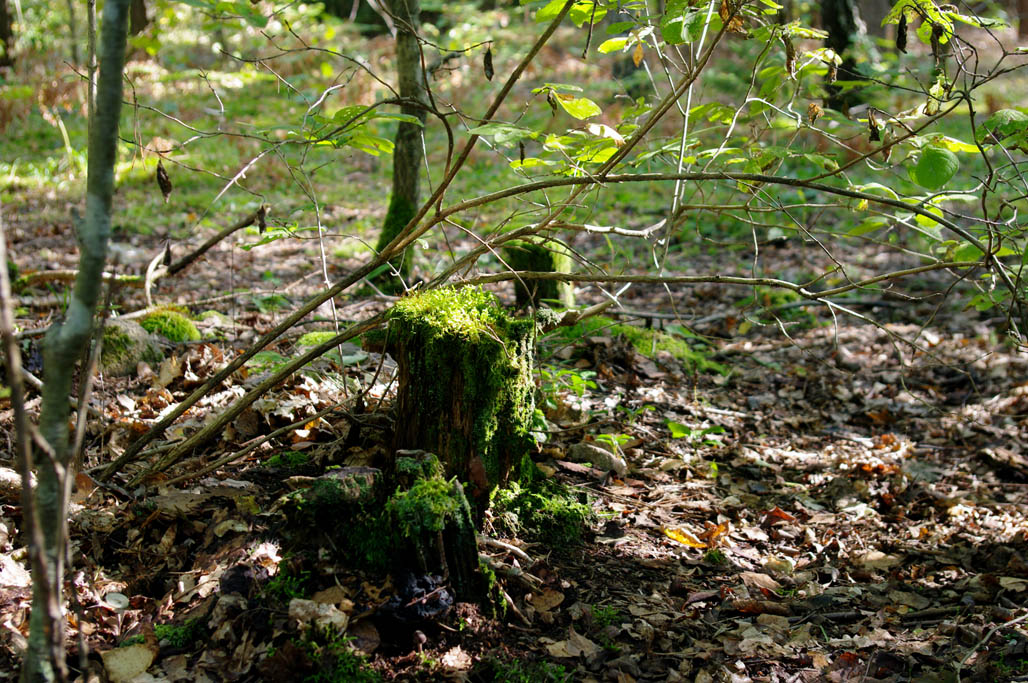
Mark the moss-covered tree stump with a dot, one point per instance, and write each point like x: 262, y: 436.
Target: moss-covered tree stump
x: 540, y: 255
x: 465, y: 385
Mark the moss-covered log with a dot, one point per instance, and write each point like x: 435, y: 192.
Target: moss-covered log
x: 539, y: 255
x: 465, y: 385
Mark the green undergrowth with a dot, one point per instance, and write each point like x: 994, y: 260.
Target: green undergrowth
x: 543, y: 511
x: 170, y: 324
x: 176, y: 636
x: 287, y: 459
x: 326, y: 656
x: 518, y: 671
x: 649, y: 342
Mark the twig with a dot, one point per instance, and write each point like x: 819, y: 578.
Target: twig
x: 986, y: 639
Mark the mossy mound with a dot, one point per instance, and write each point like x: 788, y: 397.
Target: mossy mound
x: 171, y: 325
x: 544, y: 512
x: 646, y: 341
x: 125, y: 344
x: 540, y: 255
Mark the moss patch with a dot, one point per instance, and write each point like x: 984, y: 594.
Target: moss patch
x: 315, y: 338
x: 398, y: 214
x: 540, y: 255
x: 545, y: 512
x: 466, y: 389
x: 647, y: 342
x: 171, y: 325
x: 125, y: 344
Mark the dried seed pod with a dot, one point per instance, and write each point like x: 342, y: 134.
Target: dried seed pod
x: 872, y: 127
x: 790, y: 54
x: 814, y: 112
x: 163, y: 181
x: 833, y: 72
x: 262, y: 219
x: 487, y: 63
x: 901, y: 33
x: 521, y: 150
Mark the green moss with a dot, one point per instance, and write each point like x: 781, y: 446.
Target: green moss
x: 517, y: 671
x: 116, y: 342
x: 466, y: 388
x: 540, y: 255
x: 424, y: 508
x: 544, y: 511
x: 315, y: 338
x: 288, y: 459
x: 398, y: 215
x: 466, y: 312
x: 180, y: 636
x: 646, y: 341
x: 334, y: 660
x: 170, y: 325
x: 125, y: 343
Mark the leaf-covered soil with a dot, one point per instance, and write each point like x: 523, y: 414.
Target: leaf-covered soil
x: 837, y: 504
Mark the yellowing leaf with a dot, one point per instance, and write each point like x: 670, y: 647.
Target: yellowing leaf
x: 684, y: 537
x: 637, y: 54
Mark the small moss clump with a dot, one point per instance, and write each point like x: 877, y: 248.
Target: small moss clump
x: 315, y: 338
x: 545, y: 256
x: 424, y: 508
x: 287, y: 459
x: 170, y: 325
x: 544, y: 511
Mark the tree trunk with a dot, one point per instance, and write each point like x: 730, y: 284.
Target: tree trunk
x: 6, y: 36
x: 839, y: 19
x: 408, y: 152
x: 1022, y: 18
x: 45, y: 656
x: 137, y: 17
x: 465, y: 389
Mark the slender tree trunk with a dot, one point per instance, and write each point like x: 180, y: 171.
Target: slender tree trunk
x: 137, y: 17
x: 45, y: 656
x: 73, y: 30
x: 1022, y: 18
x: 839, y: 19
x: 6, y: 36
x: 408, y: 153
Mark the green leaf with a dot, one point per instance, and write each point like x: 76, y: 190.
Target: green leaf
x: 868, y: 226
x: 531, y: 162
x: 578, y: 107
x: 368, y: 143
x: 967, y: 252
x: 503, y: 134
x: 549, y: 11
x: 1007, y: 122
x: 678, y: 430
x: 955, y: 145
x: 935, y: 168
x: 612, y: 45
x: 619, y: 27
x: 587, y: 11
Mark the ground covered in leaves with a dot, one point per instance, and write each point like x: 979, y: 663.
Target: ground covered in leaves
x: 790, y: 498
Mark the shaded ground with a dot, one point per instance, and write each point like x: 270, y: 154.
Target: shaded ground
x: 839, y: 506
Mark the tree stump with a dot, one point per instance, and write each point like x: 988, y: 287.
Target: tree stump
x: 465, y: 385
x: 540, y: 255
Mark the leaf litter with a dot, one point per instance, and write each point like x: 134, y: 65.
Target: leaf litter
x: 836, y: 507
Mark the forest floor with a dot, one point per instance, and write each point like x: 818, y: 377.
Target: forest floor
x: 837, y: 504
